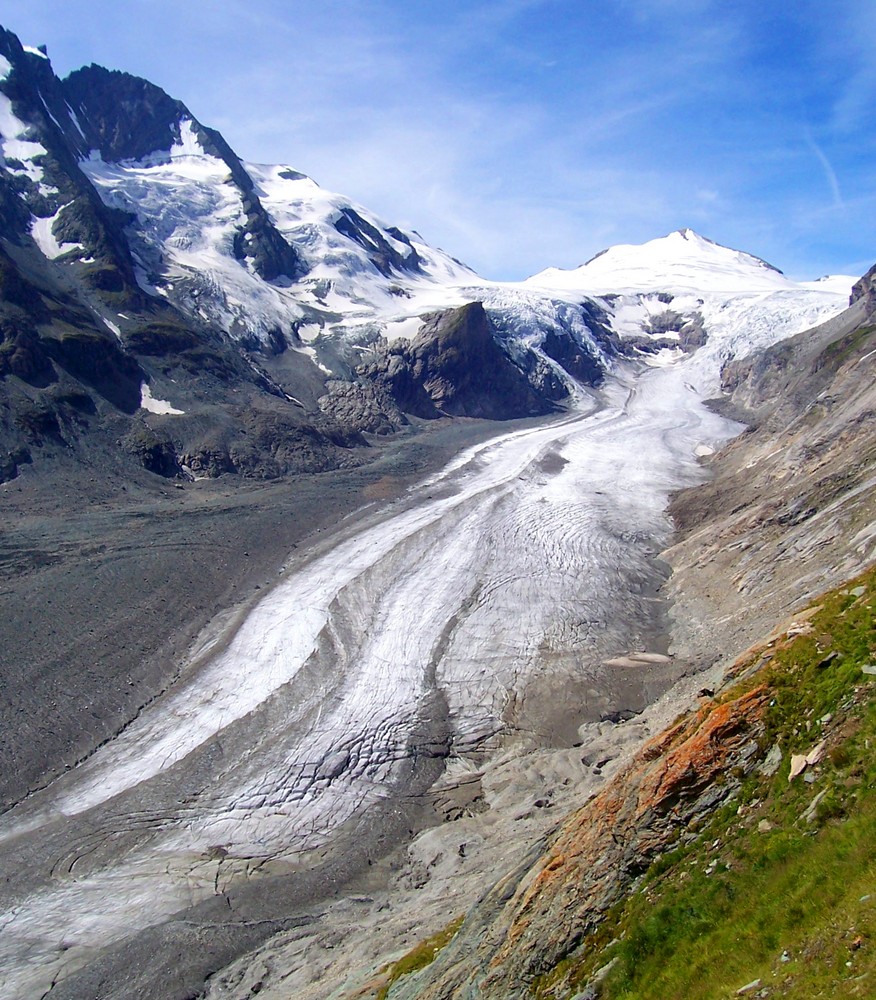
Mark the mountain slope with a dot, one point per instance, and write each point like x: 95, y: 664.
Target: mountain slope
x: 89, y: 356
x: 159, y: 291
x: 789, y: 513
x: 790, y: 509
x: 227, y: 288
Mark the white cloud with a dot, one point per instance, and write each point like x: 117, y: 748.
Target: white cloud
x: 829, y: 172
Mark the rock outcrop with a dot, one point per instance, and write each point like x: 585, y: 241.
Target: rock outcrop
x: 865, y: 291
x: 455, y: 367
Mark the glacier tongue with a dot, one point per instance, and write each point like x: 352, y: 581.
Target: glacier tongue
x: 478, y: 610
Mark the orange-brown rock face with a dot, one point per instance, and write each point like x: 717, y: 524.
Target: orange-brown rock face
x: 535, y: 916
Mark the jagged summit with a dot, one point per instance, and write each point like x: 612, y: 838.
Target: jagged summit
x: 124, y: 116
x: 682, y: 259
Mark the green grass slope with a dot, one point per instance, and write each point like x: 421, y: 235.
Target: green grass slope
x: 775, y: 894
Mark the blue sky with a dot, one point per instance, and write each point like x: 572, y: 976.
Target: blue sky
x: 530, y: 133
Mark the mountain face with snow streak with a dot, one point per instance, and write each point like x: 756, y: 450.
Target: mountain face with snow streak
x: 160, y: 291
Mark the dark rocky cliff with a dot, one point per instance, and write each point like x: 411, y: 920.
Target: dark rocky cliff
x: 454, y: 367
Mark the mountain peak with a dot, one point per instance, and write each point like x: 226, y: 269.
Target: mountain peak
x: 130, y: 117
x: 682, y: 259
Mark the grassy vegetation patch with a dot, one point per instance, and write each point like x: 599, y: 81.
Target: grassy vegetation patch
x: 780, y: 884
x: 419, y: 957
x: 841, y: 350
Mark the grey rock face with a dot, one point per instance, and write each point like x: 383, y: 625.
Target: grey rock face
x: 454, y: 367
x: 865, y: 291
x: 385, y: 257
x: 362, y: 405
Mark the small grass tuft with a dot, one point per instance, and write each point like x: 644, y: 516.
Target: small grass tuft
x: 419, y: 956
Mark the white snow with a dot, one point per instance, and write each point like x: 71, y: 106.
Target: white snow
x: 308, y: 332
x: 841, y: 284
x: 35, y: 51
x: 48, y: 111
x: 310, y: 352
x: 5, y: 67
x: 664, y: 357
x: 15, y: 146
x: 406, y: 328
x: 75, y: 119
x: 113, y: 327
x: 41, y: 231
x: 683, y: 259
x: 147, y: 402
x: 188, y: 143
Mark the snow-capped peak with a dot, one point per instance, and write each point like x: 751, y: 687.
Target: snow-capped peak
x: 681, y: 260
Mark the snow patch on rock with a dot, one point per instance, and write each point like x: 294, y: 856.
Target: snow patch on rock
x: 148, y: 402
x: 45, y: 239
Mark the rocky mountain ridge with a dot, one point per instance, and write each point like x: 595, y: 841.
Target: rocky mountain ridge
x: 251, y: 302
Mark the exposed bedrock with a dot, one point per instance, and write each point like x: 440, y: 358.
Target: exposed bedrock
x: 455, y: 367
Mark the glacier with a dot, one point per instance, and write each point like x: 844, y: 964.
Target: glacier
x: 489, y: 611
x: 438, y: 631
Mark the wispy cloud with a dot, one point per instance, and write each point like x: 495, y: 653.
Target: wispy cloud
x: 829, y: 172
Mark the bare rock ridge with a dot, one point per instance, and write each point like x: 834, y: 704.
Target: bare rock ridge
x: 454, y: 367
